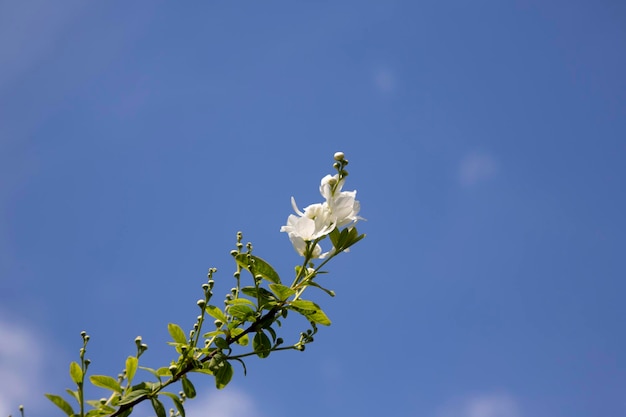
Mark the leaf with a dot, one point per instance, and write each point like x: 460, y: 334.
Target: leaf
x: 260, y: 267
x: 240, y: 301
x: 152, y: 371
x: 74, y: 394
x: 215, y: 312
x: 223, y: 375
x: 76, y: 373
x: 131, y: 368
x: 243, y: 341
x: 326, y: 290
x: 311, y: 311
x: 61, y: 403
x: 221, y: 343
x: 178, y: 335
x: 282, y: 292
x: 242, y: 312
x: 188, y: 388
x: 260, y: 292
x: 133, y: 395
x: 177, y: 402
x: 334, y: 237
x: 261, y: 345
x: 104, y: 381
x: 158, y: 407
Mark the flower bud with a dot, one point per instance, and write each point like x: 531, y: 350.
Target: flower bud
x: 339, y: 156
x: 201, y: 303
x: 173, y: 369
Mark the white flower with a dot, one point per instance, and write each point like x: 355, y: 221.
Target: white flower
x: 300, y: 246
x: 327, y: 184
x: 342, y: 204
x: 315, y: 222
x: 345, y: 208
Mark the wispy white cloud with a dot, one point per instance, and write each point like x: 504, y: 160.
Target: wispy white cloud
x: 20, y: 365
x: 29, y: 32
x: 229, y: 402
x: 476, y: 167
x: 385, y: 81
x: 482, y: 405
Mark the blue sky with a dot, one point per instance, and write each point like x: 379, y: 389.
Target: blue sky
x: 487, y: 145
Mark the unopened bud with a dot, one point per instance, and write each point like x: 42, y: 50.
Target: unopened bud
x: 201, y: 303
x: 339, y: 156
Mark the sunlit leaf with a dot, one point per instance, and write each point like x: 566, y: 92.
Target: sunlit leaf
x: 74, y: 394
x: 242, y: 312
x: 104, y: 381
x: 240, y: 301
x: 134, y: 394
x: 311, y: 311
x: 76, y: 373
x: 260, y: 267
x: 178, y: 335
x: 282, y: 292
x: 215, y: 312
x: 61, y: 403
x: 243, y: 340
x: 131, y: 368
x: 177, y: 402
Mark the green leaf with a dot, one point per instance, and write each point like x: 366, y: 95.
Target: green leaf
x: 223, y: 375
x: 261, y: 345
x: 243, y: 341
x: 134, y: 394
x: 282, y: 292
x: 188, y: 388
x: 61, y: 403
x: 260, y: 267
x: 131, y: 368
x: 178, y: 335
x: 242, y: 312
x: 260, y: 292
x: 215, y: 312
x: 221, y: 343
x: 104, y: 381
x: 163, y: 371
x: 158, y: 407
x: 177, y: 402
x: 152, y: 371
x: 311, y: 311
x: 240, y: 301
x: 74, y: 394
x: 76, y: 373
x: 334, y: 237
x: 326, y: 290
